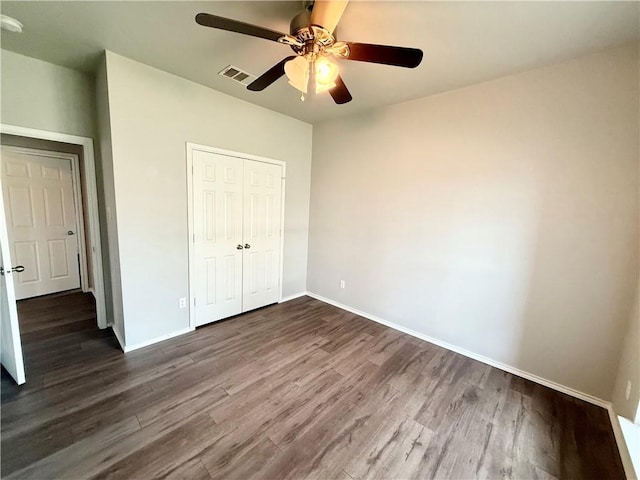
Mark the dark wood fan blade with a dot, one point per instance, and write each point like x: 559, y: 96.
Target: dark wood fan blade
x: 340, y: 93
x: 213, y: 21
x: 385, y: 54
x: 270, y: 76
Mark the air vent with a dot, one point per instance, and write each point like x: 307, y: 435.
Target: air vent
x: 234, y: 73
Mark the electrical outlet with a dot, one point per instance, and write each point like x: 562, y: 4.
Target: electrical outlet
x: 627, y: 392
x: 342, y: 284
x: 183, y: 302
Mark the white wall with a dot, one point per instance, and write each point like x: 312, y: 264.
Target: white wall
x: 629, y: 367
x: 45, y: 96
x: 501, y: 218
x: 152, y: 115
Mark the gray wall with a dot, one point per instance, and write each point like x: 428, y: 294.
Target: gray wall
x: 106, y: 189
x: 501, y: 218
x: 152, y: 115
x: 629, y: 368
x: 45, y: 96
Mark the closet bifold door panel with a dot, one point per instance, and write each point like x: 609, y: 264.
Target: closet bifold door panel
x: 261, y: 227
x: 217, y: 222
x: 237, y: 222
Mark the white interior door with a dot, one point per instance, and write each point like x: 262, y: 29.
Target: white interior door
x: 217, y: 227
x: 10, y: 345
x: 41, y: 222
x: 262, y: 225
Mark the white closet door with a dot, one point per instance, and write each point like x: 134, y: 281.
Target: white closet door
x: 41, y: 221
x: 262, y: 222
x: 217, y: 210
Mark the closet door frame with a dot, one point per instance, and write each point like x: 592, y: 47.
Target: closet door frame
x: 190, y: 148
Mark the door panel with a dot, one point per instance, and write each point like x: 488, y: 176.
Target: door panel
x: 54, y: 214
x: 26, y: 254
x: 217, y: 214
x: 38, y: 196
x: 21, y: 206
x: 10, y: 345
x: 58, y: 261
x: 262, y: 226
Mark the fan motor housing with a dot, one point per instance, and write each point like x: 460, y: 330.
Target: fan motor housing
x: 303, y: 19
x: 313, y: 38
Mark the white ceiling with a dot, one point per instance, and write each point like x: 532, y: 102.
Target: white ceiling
x: 463, y: 42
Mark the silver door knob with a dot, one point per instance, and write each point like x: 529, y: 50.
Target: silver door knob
x: 239, y: 247
x: 71, y: 232
x: 246, y: 245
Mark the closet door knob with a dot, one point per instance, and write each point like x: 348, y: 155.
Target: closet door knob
x: 246, y: 245
x: 239, y: 247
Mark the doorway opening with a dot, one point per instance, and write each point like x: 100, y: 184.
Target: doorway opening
x: 46, y: 221
x: 52, y: 231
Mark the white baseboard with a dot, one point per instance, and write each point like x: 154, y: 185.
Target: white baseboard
x: 481, y: 358
x: 292, y: 297
x: 119, y: 337
x: 146, y: 343
x: 625, y: 456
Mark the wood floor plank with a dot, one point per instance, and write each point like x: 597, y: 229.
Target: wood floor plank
x: 246, y: 464
x: 396, y: 449
x: 295, y: 390
x: 76, y: 396
x: 95, y: 455
x: 251, y: 423
x: 325, y: 445
x: 168, y: 453
x: 191, y: 470
x: 74, y: 457
x: 308, y: 352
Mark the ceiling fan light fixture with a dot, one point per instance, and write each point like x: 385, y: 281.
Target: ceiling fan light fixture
x: 10, y: 24
x: 326, y: 72
x: 297, y: 71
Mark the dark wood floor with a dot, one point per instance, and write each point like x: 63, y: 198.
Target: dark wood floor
x: 297, y: 390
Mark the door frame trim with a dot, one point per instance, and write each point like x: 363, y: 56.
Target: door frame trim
x: 190, y: 148
x: 91, y: 191
x: 77, y: 202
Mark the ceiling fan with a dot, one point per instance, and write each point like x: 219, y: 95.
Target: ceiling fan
x: 312, y: 69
